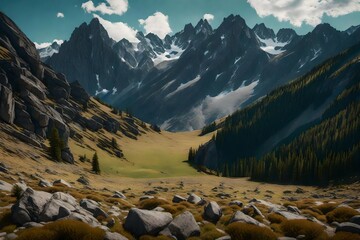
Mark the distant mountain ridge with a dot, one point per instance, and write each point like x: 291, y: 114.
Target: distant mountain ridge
x: 200, y: 74
x: 303, y: 132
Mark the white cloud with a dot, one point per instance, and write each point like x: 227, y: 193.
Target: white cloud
x: 117, y: 7
x: 158, y: 23
x: 298, y: 12
x: 118, y: 30
x: 209, y: 17
x: 60, y: 15
x: 47, y: 44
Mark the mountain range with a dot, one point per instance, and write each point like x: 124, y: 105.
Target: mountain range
x: 198, y: 75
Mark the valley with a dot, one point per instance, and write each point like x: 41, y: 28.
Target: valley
x: 227, y: 133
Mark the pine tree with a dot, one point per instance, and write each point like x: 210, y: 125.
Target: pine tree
x: 95, y: 164
x: 56, y: 144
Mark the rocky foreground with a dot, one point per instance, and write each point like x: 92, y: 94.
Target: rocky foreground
x: 34, y: 208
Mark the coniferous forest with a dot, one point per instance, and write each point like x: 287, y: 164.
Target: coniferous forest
x: 256, y: 141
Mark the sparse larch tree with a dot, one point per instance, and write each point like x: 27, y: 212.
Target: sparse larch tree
x: 95, y: 164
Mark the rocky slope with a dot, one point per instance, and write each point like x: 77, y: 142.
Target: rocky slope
x: 35, y: 99
x: 218, y: 70
x: 171, y: 208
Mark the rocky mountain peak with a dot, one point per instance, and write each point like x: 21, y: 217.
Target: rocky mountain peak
x: 264, y: 32
x: 204, y: 27
x: 286, y: 35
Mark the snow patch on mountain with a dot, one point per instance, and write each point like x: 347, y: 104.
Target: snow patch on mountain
x: 272, y: 46
x: 183, y: 86
x: 173, y: 53
x: 212, y: 108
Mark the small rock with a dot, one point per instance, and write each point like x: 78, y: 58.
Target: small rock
x: 93, y: 207
x: 236, y: 203
x: 118, y: 194
x: 44, y: 183
x: 83, y: 180
x: 178, y: 199
x: 62, y: 182
x: 193, y: 198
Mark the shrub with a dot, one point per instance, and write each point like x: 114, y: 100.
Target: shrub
x: 209, y: 232
x: 16, y: 191
x: 243, y: 231
x: 150, y: 204
x: 311, y: 230
x: 314, y: 214
x: 327, y: 207
x: 275, y: 218
x: 341, y: 214
x: 63, y: 230
x: 56, y: 144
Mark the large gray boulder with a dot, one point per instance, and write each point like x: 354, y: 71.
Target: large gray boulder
x: 182, y: 227
x: 144, y: 222
x: 38, y: 206
x: 7, y: 105
x: 242, y: 217
x: 212, y: 212
x: 348, y: 227
x: 30, y: 206
x: 93, y: 207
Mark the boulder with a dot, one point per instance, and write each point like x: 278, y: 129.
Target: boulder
x: 355, y: 219
x: 212, y: 212
x: 44, y: 183
x: 7, y: 105
x: 293, y: 209
x: 22, y: 117
x: 114, y: 236
x: 93, y: 207
x: 93, y: 125
x: 118, y: 194
x: 178, y: 199
x: 144, y: 222
x: 67, y: 156
x: 242, y: 217
x: 62, y: 182
x: 183, y: 227
x: 193, y: 198
x: 83, y: 180
x: 79, y: 93
x: 348, y: 227
x: 290, y: 215
x: 29, y: 207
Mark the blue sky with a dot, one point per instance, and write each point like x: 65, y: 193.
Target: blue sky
x: 45, y: 20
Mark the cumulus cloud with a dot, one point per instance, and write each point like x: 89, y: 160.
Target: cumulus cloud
x: 158, y: 23
x: 298, y: 12
x: 117, y: 7
x: 118, y: 30
x: 47, y: 44
x: 209, y: 17
x: 60, y: 15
